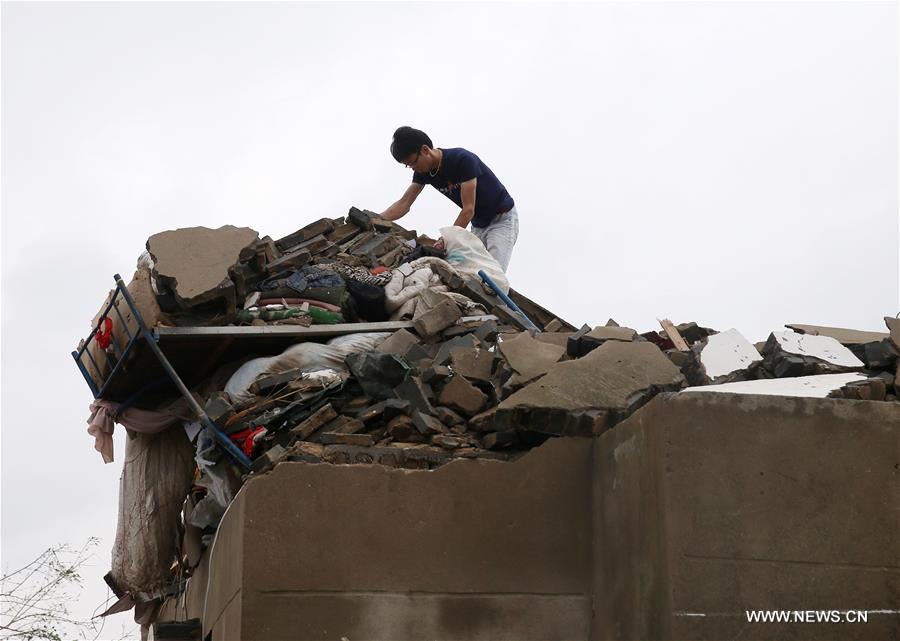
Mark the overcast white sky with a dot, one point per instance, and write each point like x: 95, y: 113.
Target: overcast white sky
x: 732, y: 163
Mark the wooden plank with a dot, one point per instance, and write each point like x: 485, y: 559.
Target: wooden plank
x: 169, y: 334
x: 673, y: 335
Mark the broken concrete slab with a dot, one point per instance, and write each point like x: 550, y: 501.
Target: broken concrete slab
x: 893, y: 325
x: 691, y: 332
x: 586, y: 396
x: 439, y: 317
x: 442, y: 357
x: 342, y: 438
x: 427, y: 424
x: 722, y: 357
x: 876, y: 354
x: 360, y: 218
x: 460, y: 395
x: 789, y: 354
x: 294, y: 260
x: 416, y: 393
x: 401, y: 428
x: 377, y: 373
x: 474, y: 363
x: 194, y: 262
x: 554, y: 338
x: 305, y: 234
x: 529, y: 357
x: 816, y: 386
x: 448, y: 417
x: 398, y: 343
x: 840, y: 334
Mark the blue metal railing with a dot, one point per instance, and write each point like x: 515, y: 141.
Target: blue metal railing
x: 122, y: 356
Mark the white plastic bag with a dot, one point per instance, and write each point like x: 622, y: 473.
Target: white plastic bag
x: 468, y: 254
x: 307, y: 357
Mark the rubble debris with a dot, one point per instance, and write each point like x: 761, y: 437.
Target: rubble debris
x: 460, y: 395
x: 439, y: 317
x: 814, y: 386
x: 588, y: 395
x: 586, y: 339
x: 840, y: 334
x: 528, y: 357
x: 791, y: 354
x: 893, y: 325
x: 422, y: 365
x: 193, y: 264
x: 721, y: 358
x: 876, y: 354
x: 378, y: 374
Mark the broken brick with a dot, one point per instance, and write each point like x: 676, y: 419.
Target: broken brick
x: 443, y: 315
x: 460, y: 395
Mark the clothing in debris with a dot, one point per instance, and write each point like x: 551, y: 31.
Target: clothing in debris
x: 359, y: 274
x: 299, y: 280
x: 103, y: 417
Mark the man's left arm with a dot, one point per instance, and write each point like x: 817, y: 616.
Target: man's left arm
x: 467, y: 194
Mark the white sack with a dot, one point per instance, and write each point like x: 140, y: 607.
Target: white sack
x: 308, y: 357
x: 467, y: 254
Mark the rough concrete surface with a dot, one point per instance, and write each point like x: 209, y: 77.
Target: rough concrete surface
x: 609, y: 377
x: 840, y: 334
x: 824, y: 348
x: 473, y: 550
x: 816, y: 386
x: 695, y: 505
x: 707, y: 505
x: 727, y: 352
x: 530, y: 357
x: 195, y: 260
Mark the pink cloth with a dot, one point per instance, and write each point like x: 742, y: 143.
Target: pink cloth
x: 101, y: 422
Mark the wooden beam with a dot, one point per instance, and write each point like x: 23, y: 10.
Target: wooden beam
x: 673, y: 335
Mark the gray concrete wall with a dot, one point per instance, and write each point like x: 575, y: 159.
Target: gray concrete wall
x: 669, y: 526
x: 708, y: 505
x: 472, y: 550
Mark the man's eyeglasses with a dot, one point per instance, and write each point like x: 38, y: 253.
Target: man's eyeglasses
x: 415, y: 160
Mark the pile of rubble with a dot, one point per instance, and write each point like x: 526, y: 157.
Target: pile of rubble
x: 425, y: 363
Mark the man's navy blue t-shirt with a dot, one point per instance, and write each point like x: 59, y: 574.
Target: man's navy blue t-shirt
x: 459, y: 165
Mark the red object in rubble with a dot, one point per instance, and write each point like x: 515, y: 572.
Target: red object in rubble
x: 104, y: 335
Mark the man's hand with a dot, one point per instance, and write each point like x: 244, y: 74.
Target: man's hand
x: 467, y: 194
x: 400, y: 208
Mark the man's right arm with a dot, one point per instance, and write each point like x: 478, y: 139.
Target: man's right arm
x: 401, y: 207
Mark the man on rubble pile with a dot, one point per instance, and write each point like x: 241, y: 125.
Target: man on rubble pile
x: 463, y: 178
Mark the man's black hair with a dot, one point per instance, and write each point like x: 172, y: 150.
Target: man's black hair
x: 408, y: 141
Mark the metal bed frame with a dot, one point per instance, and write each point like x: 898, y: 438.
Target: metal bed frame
x: 143, y: 333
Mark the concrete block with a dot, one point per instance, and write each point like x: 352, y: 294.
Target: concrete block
x: 341, y: 438
x: 194, y: 263
x: 528, y: 357
x: 319, y: 228
x: 586, y: 395
x: 398, y: 343
x: 416, y: 393
x: 437, y: 318
x: 460, y: 395
x: 377, y: 373
x: 427, y: 424
x: 475, y: 364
